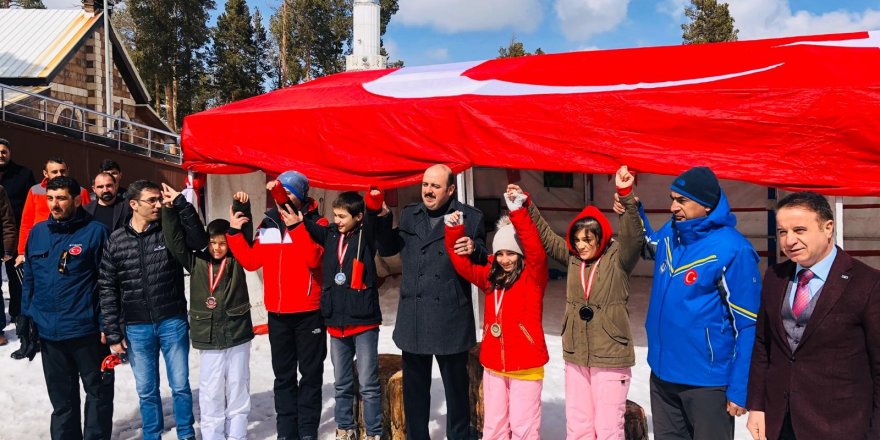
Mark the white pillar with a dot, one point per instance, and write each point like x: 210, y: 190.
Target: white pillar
x: 365, y: 37
x: 838, y: 221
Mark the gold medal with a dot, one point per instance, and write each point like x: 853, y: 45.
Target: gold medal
x: 495, y: 329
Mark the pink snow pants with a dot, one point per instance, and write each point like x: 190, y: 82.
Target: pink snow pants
x: 595, y: 402
x: 512, y: 407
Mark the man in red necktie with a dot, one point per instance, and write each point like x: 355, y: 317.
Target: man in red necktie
x: 816, y: 364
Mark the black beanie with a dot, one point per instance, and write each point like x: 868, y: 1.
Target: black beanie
x: 700, y: 185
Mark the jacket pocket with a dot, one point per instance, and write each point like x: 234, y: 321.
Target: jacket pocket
x: 615, y: 333
x: 362, y: 304
x: 567, y: 333
x: 709, y: 347
x: 239, y: 324
x: 200, y: 326
x: 326, y: 302
x: 526, y: 333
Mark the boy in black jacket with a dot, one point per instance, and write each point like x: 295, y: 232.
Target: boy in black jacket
x: 350, y: 305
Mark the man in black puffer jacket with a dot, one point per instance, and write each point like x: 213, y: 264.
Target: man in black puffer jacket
x: 144, y: 308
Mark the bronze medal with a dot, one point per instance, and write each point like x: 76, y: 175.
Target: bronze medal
x: 495, y: 329
x: 211, y: 302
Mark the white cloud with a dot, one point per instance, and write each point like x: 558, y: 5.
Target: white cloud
x: 438, y: 54
x: 391, y: 48
x: 774, y: 18
x: 581, y: 19
x: 672, y: 8
x: 453, y: 16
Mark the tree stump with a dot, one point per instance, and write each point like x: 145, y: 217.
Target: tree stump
x: 475, y: 391
x: 635, y: 424
x: 391, y: 383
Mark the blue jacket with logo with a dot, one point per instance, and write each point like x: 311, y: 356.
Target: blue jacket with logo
x: 704, y: 302
x: 63, y: 305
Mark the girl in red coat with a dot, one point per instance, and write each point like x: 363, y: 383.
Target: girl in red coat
x: 513, y: 351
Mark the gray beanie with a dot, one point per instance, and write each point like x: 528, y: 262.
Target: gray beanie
x: 505, y: 237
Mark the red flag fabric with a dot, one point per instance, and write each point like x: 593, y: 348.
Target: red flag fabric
x: 795, y: 113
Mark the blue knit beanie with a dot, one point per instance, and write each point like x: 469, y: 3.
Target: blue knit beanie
x: 296, y: 183
x: 700, y: 185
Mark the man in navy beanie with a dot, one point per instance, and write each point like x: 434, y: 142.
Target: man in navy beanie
x: 701, y: 318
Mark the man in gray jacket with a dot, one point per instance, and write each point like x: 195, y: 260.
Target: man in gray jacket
x: 435, y: 314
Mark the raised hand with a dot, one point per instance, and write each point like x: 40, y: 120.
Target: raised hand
x: 623, y: 178
x: 453, y: 219
x: 241, y: 196
x: 168, y: 194
x: 290, y: 217
x: 237, y: 219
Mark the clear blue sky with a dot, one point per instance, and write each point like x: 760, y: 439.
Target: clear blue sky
x: 441, y: 31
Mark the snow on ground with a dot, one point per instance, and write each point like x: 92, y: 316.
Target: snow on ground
x: 27, y: 407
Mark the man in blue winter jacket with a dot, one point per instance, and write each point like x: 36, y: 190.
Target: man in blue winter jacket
x: 701, y: 318
x: 60, y: 304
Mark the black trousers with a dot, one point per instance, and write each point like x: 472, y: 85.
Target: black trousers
x: 787, y: 429
x: 298, y: 340
x: 14, y: 293
x: 685, y: 412
x: 65, y: 363
x: 417, y: 394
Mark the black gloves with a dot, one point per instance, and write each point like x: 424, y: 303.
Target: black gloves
x: 29, y: 337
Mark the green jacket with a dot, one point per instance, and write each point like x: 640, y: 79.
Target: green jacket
x: 606, y: 340
x: 229, y: 323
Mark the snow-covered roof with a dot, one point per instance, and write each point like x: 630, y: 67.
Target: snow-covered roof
x: 33, y: 42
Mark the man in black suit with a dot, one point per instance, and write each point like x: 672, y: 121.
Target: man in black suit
x: 435, y: 315
x: 815, y: 370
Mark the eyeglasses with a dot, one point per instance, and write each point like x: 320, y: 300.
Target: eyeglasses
x: 151, y: 200
x: 62, y: 264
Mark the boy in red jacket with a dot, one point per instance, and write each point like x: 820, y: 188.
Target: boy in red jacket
x: 292, y: 292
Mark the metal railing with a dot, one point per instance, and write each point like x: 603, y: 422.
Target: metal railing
x: 61, y: 117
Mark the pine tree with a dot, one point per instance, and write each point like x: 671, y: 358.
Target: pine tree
x: 516, y: 49
x: 261, y: 64
x: 234, y: 54
x: 170, y: 39
x: 312, y: 36
x: 709, y: 22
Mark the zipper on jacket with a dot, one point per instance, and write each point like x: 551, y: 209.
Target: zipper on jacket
x: 141, y: 256
x: 709, y: 344
x: 526, y: 332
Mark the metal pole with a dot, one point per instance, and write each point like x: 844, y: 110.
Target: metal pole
x: 3, y: 101
x: 464, y: 184
x: 838, y: 224
x: 108, y: 69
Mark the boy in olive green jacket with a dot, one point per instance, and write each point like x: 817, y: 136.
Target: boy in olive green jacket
x: 220, y: 319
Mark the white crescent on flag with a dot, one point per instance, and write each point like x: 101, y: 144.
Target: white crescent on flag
x: 449, y: 79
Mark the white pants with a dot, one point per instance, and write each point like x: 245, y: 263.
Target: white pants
x: 224, y: 392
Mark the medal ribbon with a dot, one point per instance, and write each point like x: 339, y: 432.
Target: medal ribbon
x: 214, y: 281
x: 340, y: 250
x: 588, y: 285
x: 498, y: 302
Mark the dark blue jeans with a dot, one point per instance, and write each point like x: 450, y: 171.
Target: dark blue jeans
x: 342, y: 352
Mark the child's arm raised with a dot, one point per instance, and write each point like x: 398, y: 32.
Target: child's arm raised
x: 476, y: 274
x: 530, y: 239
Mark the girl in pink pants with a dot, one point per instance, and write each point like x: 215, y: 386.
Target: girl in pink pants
x: 513, y: 351
x: 596, y: 342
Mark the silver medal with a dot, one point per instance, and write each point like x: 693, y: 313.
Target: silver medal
x: 339, y: 278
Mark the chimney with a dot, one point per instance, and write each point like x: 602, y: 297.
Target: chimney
x: 89, y: 6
